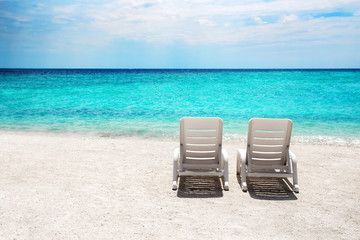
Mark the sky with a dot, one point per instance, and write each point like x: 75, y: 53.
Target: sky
x: 180, y: 34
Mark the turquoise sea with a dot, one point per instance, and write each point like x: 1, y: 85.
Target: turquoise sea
x: 323, y: 104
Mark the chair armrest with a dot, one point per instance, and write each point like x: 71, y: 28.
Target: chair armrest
x: 241, y: 167
x: 225, y: 165
x: 240, y: 159
x: 176, y: 154
x: 175, y: 168
x: 224, y: 155
x: 292, y: 156
x: 241, y: 154
x: 293, y: 162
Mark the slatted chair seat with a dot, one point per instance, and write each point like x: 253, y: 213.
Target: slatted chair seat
x: 200, y: 152
x: 268, y: 153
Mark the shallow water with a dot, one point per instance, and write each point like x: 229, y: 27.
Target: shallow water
x: 151, y: 102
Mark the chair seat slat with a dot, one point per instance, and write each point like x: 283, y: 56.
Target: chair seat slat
x: 195, y: 162
x: 267, y: 148
x: 201, y: 147
x: 201, y: 154
x: 267, y: 141
x: 201, y: 140
x: 267, y: 155
x: 201, y: 133
x: 268, y: 134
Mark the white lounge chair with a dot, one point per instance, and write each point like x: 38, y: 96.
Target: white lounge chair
x: 200, y: 152
x: 267, y: 153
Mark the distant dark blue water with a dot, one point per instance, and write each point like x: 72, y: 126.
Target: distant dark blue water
x: 150, y: 102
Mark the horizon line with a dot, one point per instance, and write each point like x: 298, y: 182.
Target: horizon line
x: 95, y: 68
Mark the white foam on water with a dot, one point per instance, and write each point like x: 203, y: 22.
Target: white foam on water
x: 316, y: 139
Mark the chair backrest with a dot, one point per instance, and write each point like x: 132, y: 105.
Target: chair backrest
x: 201, y: 140
x: 268, y: 140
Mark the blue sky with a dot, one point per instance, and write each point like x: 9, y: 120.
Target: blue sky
x: 180, y: 34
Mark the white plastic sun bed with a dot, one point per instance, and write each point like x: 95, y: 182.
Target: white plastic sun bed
x: 200, y: 152
x: 268, y: 153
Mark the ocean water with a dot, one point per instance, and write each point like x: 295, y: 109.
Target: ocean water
x: 323, y: 104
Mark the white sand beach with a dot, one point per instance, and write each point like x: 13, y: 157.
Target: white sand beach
x: 58, y: 186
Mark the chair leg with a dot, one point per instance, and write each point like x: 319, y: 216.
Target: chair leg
x: 243, y: 174
x: 226, y: 176
x: 175, y: 178
x: 241, y: 168
x: 225, y: 168
x: 294, y: 169
x: 295, y: 180
x: 238, y: 163
x: 175, y: 169
x: 174, y: 187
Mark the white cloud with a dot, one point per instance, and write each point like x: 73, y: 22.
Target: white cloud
x: 19, y: 18
x: 289, y: 18
x: 205, y: 21
x: 259, y: 20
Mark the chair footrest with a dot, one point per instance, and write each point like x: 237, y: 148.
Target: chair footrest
x: 200, y: 173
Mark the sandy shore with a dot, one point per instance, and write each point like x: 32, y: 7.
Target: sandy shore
x: 57, y: 186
